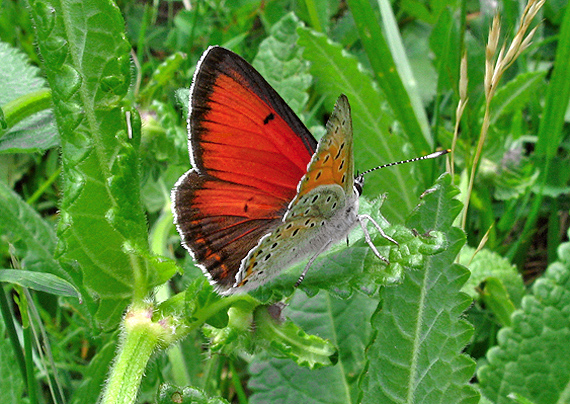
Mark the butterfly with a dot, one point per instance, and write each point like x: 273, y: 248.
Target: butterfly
x: 262, y: 193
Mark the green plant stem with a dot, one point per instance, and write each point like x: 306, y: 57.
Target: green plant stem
x: 194, y: 22
x: 554, y: 232
x: 30, y: 376
x: 140, y: 277
x: 488, y: 217
x: 27, y: 105
x: 175, y: 304
x: 141, y: 336
x: 475, y: 164
x: 45, y: 185
x: 161, y: 229
x: 242, y: 398
x: 177, y: 361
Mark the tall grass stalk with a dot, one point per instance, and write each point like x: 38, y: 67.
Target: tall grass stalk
x: 495, y: 67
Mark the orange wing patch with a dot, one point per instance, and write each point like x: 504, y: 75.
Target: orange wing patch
x: 333, y: 162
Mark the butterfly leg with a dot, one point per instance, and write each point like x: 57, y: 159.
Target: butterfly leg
x: 313, y: 258
x: 361, y: 219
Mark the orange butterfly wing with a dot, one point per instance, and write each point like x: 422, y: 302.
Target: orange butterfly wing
x: 333, y: 162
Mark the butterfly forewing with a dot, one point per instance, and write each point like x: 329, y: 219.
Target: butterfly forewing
x: 249, y: 152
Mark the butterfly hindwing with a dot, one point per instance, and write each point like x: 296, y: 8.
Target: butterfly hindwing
x: 333, y: 162
x: 294, y: 239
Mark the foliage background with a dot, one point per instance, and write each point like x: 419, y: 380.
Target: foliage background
x: 84, y: 197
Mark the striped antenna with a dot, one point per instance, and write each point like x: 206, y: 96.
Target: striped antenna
x: 429, y: 156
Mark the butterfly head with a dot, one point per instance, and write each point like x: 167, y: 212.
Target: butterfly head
x: 359, y: 184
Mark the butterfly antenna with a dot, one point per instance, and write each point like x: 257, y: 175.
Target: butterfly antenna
x: 429, y: 156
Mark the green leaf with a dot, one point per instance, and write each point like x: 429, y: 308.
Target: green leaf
x: 346, y: 323
x: 382, y: 51
x: 488, y: 264
x: 515, y: 95
x: 200, y: 297
x: 251, y: 327
x: 557, y: 97
x: 279, y: 62
x: 169, y: 394
x: 418, y: 10
x: 416, y: 40
x: 286, y: 339
x: 11, y: 384
x: 531, y: 358
x: 42, y: 282
x: 183, y: 97
x: 412, y: 87
x: 514, y: 178
x: 164, y: 146
x: 164, y: 74
x: 102, y: 227
x: 416, y: 355
x: 26, y: 106
x: 497, y: 299
x: 32, y: 237
x: 444, y: 42
x: 337, y: 72
x: 237, y: 334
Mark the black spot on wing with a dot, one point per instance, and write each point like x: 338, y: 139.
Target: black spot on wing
x: 268, y: 118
